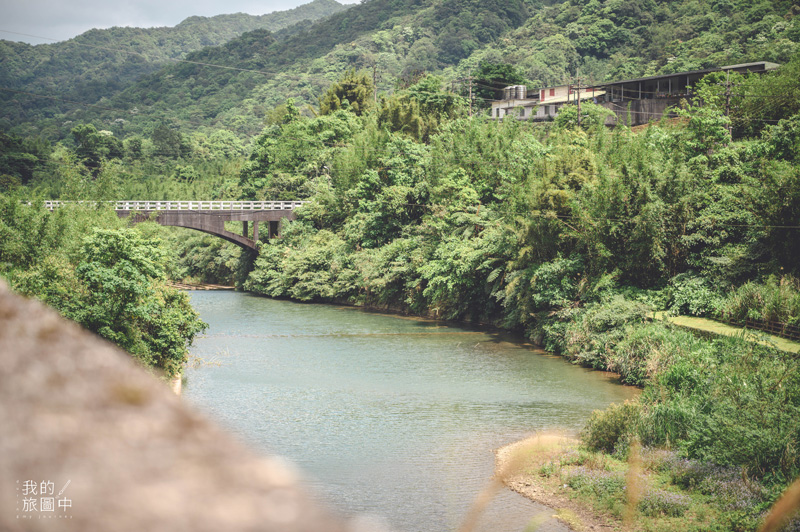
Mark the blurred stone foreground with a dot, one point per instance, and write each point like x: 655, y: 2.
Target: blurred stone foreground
x: 76, y: 411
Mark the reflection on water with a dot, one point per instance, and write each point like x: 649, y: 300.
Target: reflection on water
x: 385, y: 415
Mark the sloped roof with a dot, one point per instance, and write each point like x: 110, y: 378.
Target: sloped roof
x: 765, y: 65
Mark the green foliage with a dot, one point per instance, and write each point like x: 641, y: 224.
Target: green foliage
x: 592, y: 337
x: 416, y: 207
x: 769, y: 98
x: 402, y: 114
x: 19, y: 158
x: 492, y: 78
x: 693, y: 296
x: 353, y: 92
x: 783, y: 139
x: 648, y: 350
x: 401, y: 39
x: 289, y: 159
x: 111, y: 281
x: 420, y: 109
x: 606, y: 429
x: 93, y: 147
x: 168, y: 142
x: 203, y: 258
x: 758, y: 388
x: 728, y: 402
x: 774, y: 300
x: 592, y: 116
x: 306, y: 271
x: 126, y: 301
x: 707, y: 127
x: 99, y: 63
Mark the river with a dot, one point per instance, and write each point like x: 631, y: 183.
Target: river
x: 386, y: 416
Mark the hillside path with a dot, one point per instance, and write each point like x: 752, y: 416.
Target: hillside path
x: 715, y: 327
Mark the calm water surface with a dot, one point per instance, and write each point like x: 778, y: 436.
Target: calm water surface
x: 387, y: 416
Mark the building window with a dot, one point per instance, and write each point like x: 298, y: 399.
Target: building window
x: 552, y: 92
x: 541, y: 94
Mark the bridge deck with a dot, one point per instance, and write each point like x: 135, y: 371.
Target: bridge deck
x: 188, y: 205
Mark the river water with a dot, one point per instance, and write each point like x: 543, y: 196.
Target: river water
x: 385, y: 416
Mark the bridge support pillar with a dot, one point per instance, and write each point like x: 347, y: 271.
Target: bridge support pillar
x: 255, y: 230
x: 245, y: 229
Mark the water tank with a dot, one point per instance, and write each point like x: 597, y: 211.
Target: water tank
x: 521, y: 89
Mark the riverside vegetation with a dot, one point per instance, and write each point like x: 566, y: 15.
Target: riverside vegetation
x: 572, y: 235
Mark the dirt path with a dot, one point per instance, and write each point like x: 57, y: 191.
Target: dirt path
x: 723, y: 329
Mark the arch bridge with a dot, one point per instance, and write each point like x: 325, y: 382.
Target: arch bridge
x: 209, y: 216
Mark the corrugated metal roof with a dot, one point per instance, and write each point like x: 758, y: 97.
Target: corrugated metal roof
x: 766, y: 65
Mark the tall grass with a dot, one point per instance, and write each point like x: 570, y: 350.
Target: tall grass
x: 777, y: 299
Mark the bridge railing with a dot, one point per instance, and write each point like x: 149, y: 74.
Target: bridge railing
x: 190, y: 205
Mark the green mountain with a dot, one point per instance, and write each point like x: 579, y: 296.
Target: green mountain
x: 99, y: 63
x: 399, y: 39
x: 547, y: 43
x: 428, y: 35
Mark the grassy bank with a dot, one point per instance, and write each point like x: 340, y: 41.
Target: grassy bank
x: 653, y: 489
x: 711, y: 443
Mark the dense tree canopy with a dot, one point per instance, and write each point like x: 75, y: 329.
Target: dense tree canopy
x: 569, y: 232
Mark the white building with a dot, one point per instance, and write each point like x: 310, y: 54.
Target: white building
x: 542, y: 104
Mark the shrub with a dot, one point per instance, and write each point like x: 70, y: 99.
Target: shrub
x: 692, y: 295
x: 774, y: 300
x: 606, y: 429
x: 591, y: 338
x: 666, y: 422
x: 596, y: 481
x: 656, y: 502
x: 726, y: 485
x: 648, y: 349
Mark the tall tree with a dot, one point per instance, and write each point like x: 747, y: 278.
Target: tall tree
x: 492, y: 78
x: 355, y: 88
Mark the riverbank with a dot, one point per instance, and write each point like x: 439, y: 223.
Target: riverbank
x: 516, y: 465
x: 592, y: 491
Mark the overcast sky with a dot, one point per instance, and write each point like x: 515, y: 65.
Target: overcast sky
x: 64, y: 19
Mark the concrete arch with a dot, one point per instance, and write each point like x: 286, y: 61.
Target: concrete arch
x: 213, y: 221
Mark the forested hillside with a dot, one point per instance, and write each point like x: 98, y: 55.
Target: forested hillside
x: 616, y: 40
x: 96, y: 64
x: 399, y: 40
x: 569, y: 233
